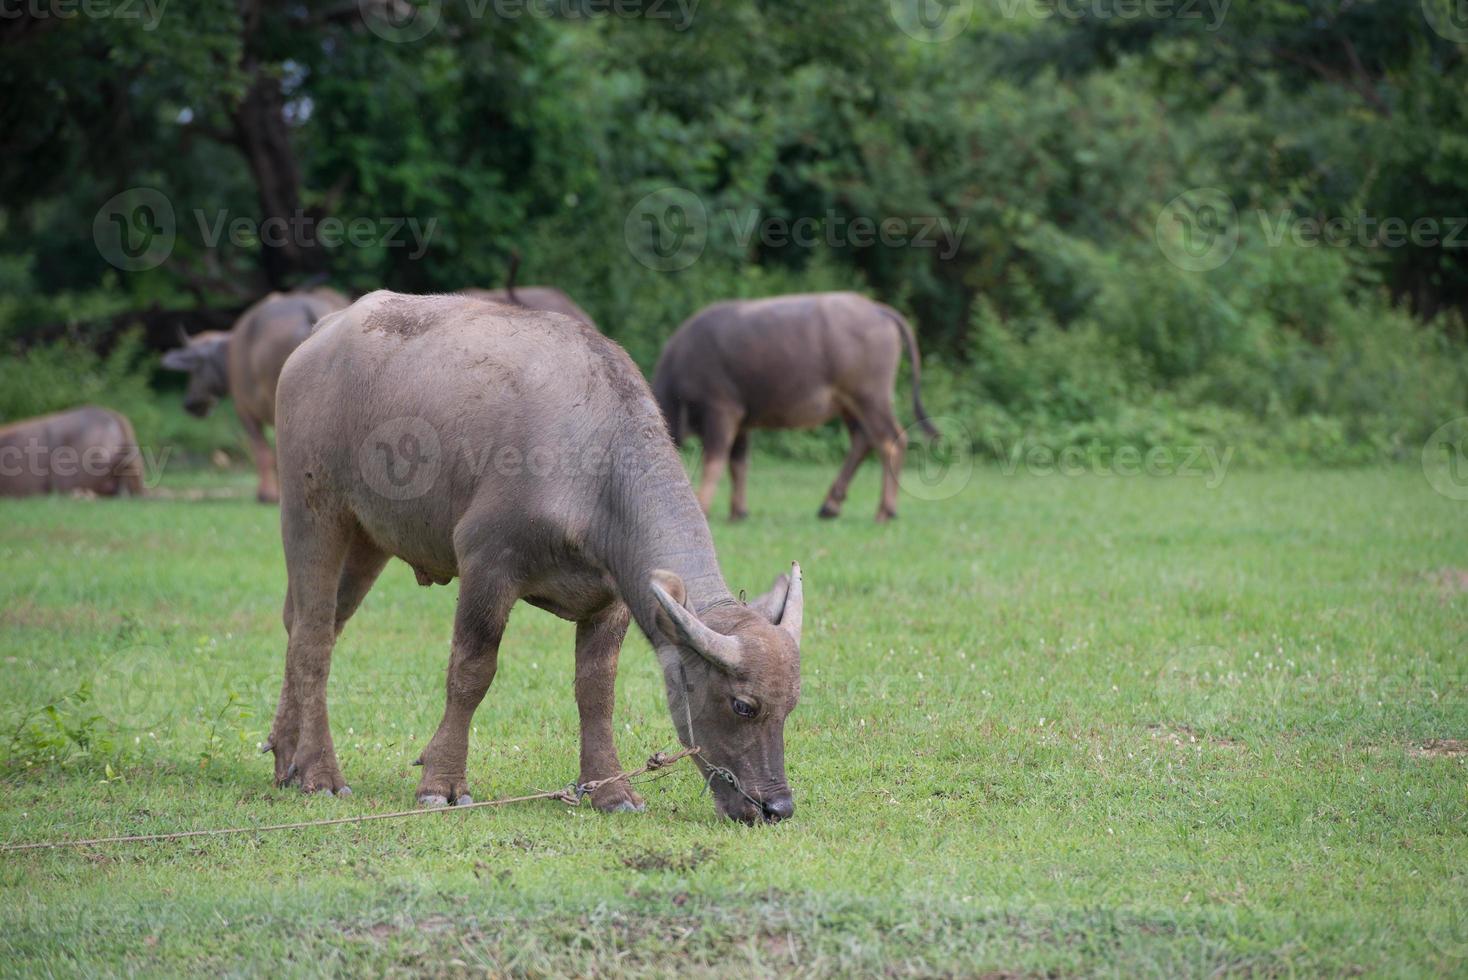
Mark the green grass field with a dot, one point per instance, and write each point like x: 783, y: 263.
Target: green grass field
x: 1063, y: 725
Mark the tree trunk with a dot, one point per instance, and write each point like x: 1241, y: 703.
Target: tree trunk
x: 288, y: 249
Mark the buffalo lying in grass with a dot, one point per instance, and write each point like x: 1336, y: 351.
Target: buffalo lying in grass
x: 245, y: 362
x: 521, y: 452
x: 81, y: 450
x: 789, y: 362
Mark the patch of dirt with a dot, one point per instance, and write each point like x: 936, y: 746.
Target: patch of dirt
x: 650, y: 860
x: 1182, y: 736
x: 25, y: 614
x: 1449, y: 581
x: 1439, y: 748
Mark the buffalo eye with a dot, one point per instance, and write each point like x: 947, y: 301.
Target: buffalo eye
x: 744, y: 709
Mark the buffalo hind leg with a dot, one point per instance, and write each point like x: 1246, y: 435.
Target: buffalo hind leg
x: 300, y: 736
x: 269, y: 488
x: 739, y: 475
x: 890, y: 443
x: 861, y: 446
x: 479, y: 622
x: 598, y: 642
x: 364, y: 562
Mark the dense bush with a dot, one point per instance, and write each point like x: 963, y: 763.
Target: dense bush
x: 1050, y: 145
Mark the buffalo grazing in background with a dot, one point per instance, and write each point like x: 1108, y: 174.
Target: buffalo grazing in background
x: 244, y: 363
x: 789, y: 362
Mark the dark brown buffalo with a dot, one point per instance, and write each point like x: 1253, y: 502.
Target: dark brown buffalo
x: 522, y: 453
x: 80, y: 450
x: 244, y: 363
x: 789, y: 362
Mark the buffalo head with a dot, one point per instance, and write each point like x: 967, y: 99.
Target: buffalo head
x: 205, y: 358
x: 733, y: 677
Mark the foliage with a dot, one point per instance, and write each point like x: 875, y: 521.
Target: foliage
x: 1048, y: 138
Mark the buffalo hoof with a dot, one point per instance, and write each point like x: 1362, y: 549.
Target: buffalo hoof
x: 828, y: 513
x: 432, y: 801
x: 884, y: 516
x: 316, y: 779
x: 738, y: 515
x: 627, y: 806
x: 267, y: 497
x: 617, y: 797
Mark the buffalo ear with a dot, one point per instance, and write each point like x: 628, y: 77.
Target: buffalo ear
x: 677, y: 623
x: 180, y: 359
x: 772, y: 603
x: 784, y: 604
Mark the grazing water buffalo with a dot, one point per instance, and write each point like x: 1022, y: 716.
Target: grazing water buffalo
x: 521, y: 452
x: 87, y: 449
x: 789, y: 362
x: 245, y: 362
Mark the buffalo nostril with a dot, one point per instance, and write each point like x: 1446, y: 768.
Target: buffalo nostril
x: 780, y: 807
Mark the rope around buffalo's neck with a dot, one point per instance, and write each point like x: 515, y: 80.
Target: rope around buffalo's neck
x: 570, y: 795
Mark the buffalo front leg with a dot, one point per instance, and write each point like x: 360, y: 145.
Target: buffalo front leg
x: 739, y: 474
x: 268, y: 491
x: 720, y: 426
x: 479, y: 622
x: 860, y: 447
x: 598, y: 642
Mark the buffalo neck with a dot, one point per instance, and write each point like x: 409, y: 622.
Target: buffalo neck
x: 656, y: 523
